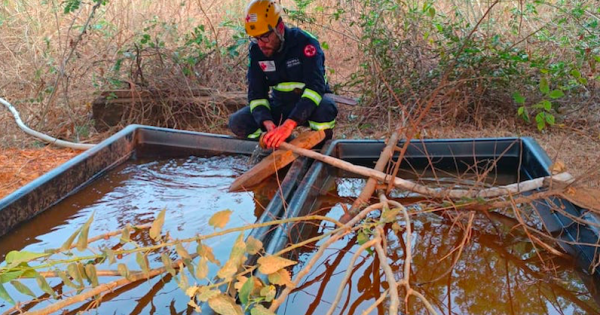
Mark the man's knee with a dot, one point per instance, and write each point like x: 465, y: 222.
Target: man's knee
x: 328, y: 110
x: 238, y: 124
x: 324, y: 116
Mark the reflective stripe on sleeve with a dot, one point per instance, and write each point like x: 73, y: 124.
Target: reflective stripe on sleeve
x: 288, y: 86
x: 314, y: 96
x: 255, y: 134
x: 260, y: 102
x: 321, y: 126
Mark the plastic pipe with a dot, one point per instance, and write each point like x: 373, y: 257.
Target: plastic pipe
x: 47, y: 138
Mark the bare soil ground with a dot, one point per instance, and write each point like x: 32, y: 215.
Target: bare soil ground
x: 23, y: 158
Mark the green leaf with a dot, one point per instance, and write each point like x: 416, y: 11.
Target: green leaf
x: 142, y: 260
x: 220, y: 219
x: 540, y: 117
x: 67, y: 244
x: 518, y: 98
x: 22, y: 288
x: 41, y: 281
x: 110, y: 254
x: 556, y: 94
x: 575, y: 73
x: 268, y: 292
x: 182, y: 252
x: 71, y: 6
x: 123, y: 270
x: 5, y: 296
x: 546, y: 105
x: 246, y: 290
x: 82, y: 242
x: 520, y: 111
x: 260, y: 310
x: 65, y: 279
x: 157, y: 225
x: 541, y: 121
x: 125, y: 234
x: 74, y: 273
x: 431, y: 12
x: 550, y: 119
x: 14, y: 258
x: 225, y: 305
x: 168, y: 263
x: 544, y: 86
x: 272, y: 264
x: 81, y: 269
x: 325, y: 45
x: 525, y: 113
x: 11, y: 275
x: 90, y: 271
x: 362, y: 237
x: 253, y: 246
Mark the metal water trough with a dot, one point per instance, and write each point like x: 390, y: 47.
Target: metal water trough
x: 523, y: 157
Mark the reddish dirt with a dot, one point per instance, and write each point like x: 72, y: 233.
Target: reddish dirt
x: 20, y: 166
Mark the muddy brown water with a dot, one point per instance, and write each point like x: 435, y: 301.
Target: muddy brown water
x: 497, y: 273
x: 190, y: 189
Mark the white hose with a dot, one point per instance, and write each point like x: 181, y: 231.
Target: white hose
x: 49, y: 139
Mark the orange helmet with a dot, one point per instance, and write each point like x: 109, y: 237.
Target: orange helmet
x: 261, y: 17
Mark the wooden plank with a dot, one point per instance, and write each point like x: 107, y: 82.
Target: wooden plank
x: 277, y: 160
x: 341, y: 99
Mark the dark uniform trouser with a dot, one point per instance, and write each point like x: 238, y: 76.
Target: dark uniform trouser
x: 243, y: 125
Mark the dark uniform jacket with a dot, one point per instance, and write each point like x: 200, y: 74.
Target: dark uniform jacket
x: 296, y: 75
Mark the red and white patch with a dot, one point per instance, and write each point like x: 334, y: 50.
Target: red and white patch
x: 251, y: 18
x: 267, y: 66
x: 310, y: 50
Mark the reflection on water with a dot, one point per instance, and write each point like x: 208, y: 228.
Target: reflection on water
x: 495, y: 274
x: 190, y: 189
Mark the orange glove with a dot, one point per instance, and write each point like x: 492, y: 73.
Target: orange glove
x: 278, y: 135
x: 269, y: 125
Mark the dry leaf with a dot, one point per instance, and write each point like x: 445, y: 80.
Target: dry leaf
x: 253, y: 246
x: 157, y: 225
x: 225, y: 305
x: 281, y: 277
x: 260, y: 310
x: 202, y: 268
x: 272, y: 264
x: 558, y: 167
x: 228, y: 270
x: 220, y: 219
x: 240, y: 282
x: 204, y: 294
